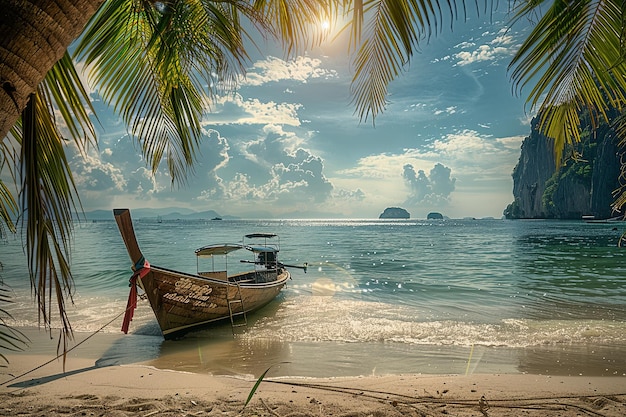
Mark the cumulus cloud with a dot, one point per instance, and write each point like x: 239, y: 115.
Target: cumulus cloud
x: 353, y: 195
x: 500, y: 46
x: 271, y: 147
x: 483, y: 53
x: 96, y: 175
x: 215, y: 151
x: 475, y: 153
x: 432, y: 189
x: 115, y: 172
x: 107, y: 171
x: 304, y: 176
x: 234, y: 109
x: 448, y: 110
x: 272, y: 69
x: 273, y: 169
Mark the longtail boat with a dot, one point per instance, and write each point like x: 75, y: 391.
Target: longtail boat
x: 184, y: 302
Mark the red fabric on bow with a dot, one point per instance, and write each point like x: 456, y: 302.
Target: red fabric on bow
x: 132, y: 296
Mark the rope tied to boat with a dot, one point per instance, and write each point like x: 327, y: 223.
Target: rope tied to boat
x: 141, y: 268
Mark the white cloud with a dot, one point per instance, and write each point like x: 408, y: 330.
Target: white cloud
x: 465, y: 44
x: 483, y: 53
x: 234, y: 109
x: 471, y: 153
x: 447, y: 110
x: 499, y: 46
x: 271, y: 171
x: 503, y: 39
x: 432, y: 189
x: 272, y: 69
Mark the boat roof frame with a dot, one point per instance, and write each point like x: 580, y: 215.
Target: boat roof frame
x: 217, y: 249
x: 213, y: 250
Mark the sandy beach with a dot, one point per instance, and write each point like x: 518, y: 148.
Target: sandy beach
x: 85, y: 389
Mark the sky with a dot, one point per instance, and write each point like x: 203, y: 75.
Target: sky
x: 288, y: 144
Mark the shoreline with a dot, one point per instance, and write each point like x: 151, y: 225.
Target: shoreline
x: 223, y: 354
x: 90, y: 386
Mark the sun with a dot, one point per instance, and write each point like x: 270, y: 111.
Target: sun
x: 325, y: 25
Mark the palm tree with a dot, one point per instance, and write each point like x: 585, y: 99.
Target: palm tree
x: 573, y: 58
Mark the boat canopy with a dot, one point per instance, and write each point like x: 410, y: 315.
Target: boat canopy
x: 259, y: 249
x: 210, y: 250
x: 261, y: 235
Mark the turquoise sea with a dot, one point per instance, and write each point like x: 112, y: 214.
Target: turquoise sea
x: 379, y: 297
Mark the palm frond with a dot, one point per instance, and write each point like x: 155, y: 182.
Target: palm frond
x: 574, y: 58
x: 297, y: 22
x: 47, y: 197
x: 394, y: 31
x: 620, y: 194
x: 65, y: 93
x: 11, y: 339
x: 35, y: 157
x: 157, y: 63
x: 8, y: 207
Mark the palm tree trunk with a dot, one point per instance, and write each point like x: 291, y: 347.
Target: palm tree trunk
x: 34, y: 35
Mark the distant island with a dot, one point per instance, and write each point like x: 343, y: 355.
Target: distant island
x: 434, y: 216
x: 394, y: 213
x: 159, y: 214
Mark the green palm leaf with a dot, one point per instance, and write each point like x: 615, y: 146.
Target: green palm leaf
x: 154, y: 61
x: 8, y: 206
x: 297, y: 22
x: 47, y: 190
x: 65, y: 92
x: 35, y: 149
x: 620, y: 193
x: 385, y: 49
x: 47, y: 196
x: 574, y: 59
x: 10, y: 339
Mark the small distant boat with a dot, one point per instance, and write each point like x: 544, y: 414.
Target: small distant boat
x: 216, y: 218
x: 183, y: 302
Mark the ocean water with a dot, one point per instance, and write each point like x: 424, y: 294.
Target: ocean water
x: 379, y: 297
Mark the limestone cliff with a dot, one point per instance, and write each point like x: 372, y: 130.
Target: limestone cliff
x: 583, y: 185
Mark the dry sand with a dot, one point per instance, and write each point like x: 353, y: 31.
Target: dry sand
x: 125, y: 390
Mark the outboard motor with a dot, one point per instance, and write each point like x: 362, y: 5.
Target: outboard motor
x: 268, y: 259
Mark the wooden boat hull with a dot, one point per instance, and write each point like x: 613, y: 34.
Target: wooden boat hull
x: 185, y: 302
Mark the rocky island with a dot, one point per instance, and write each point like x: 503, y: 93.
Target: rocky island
x: 394, y: 213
